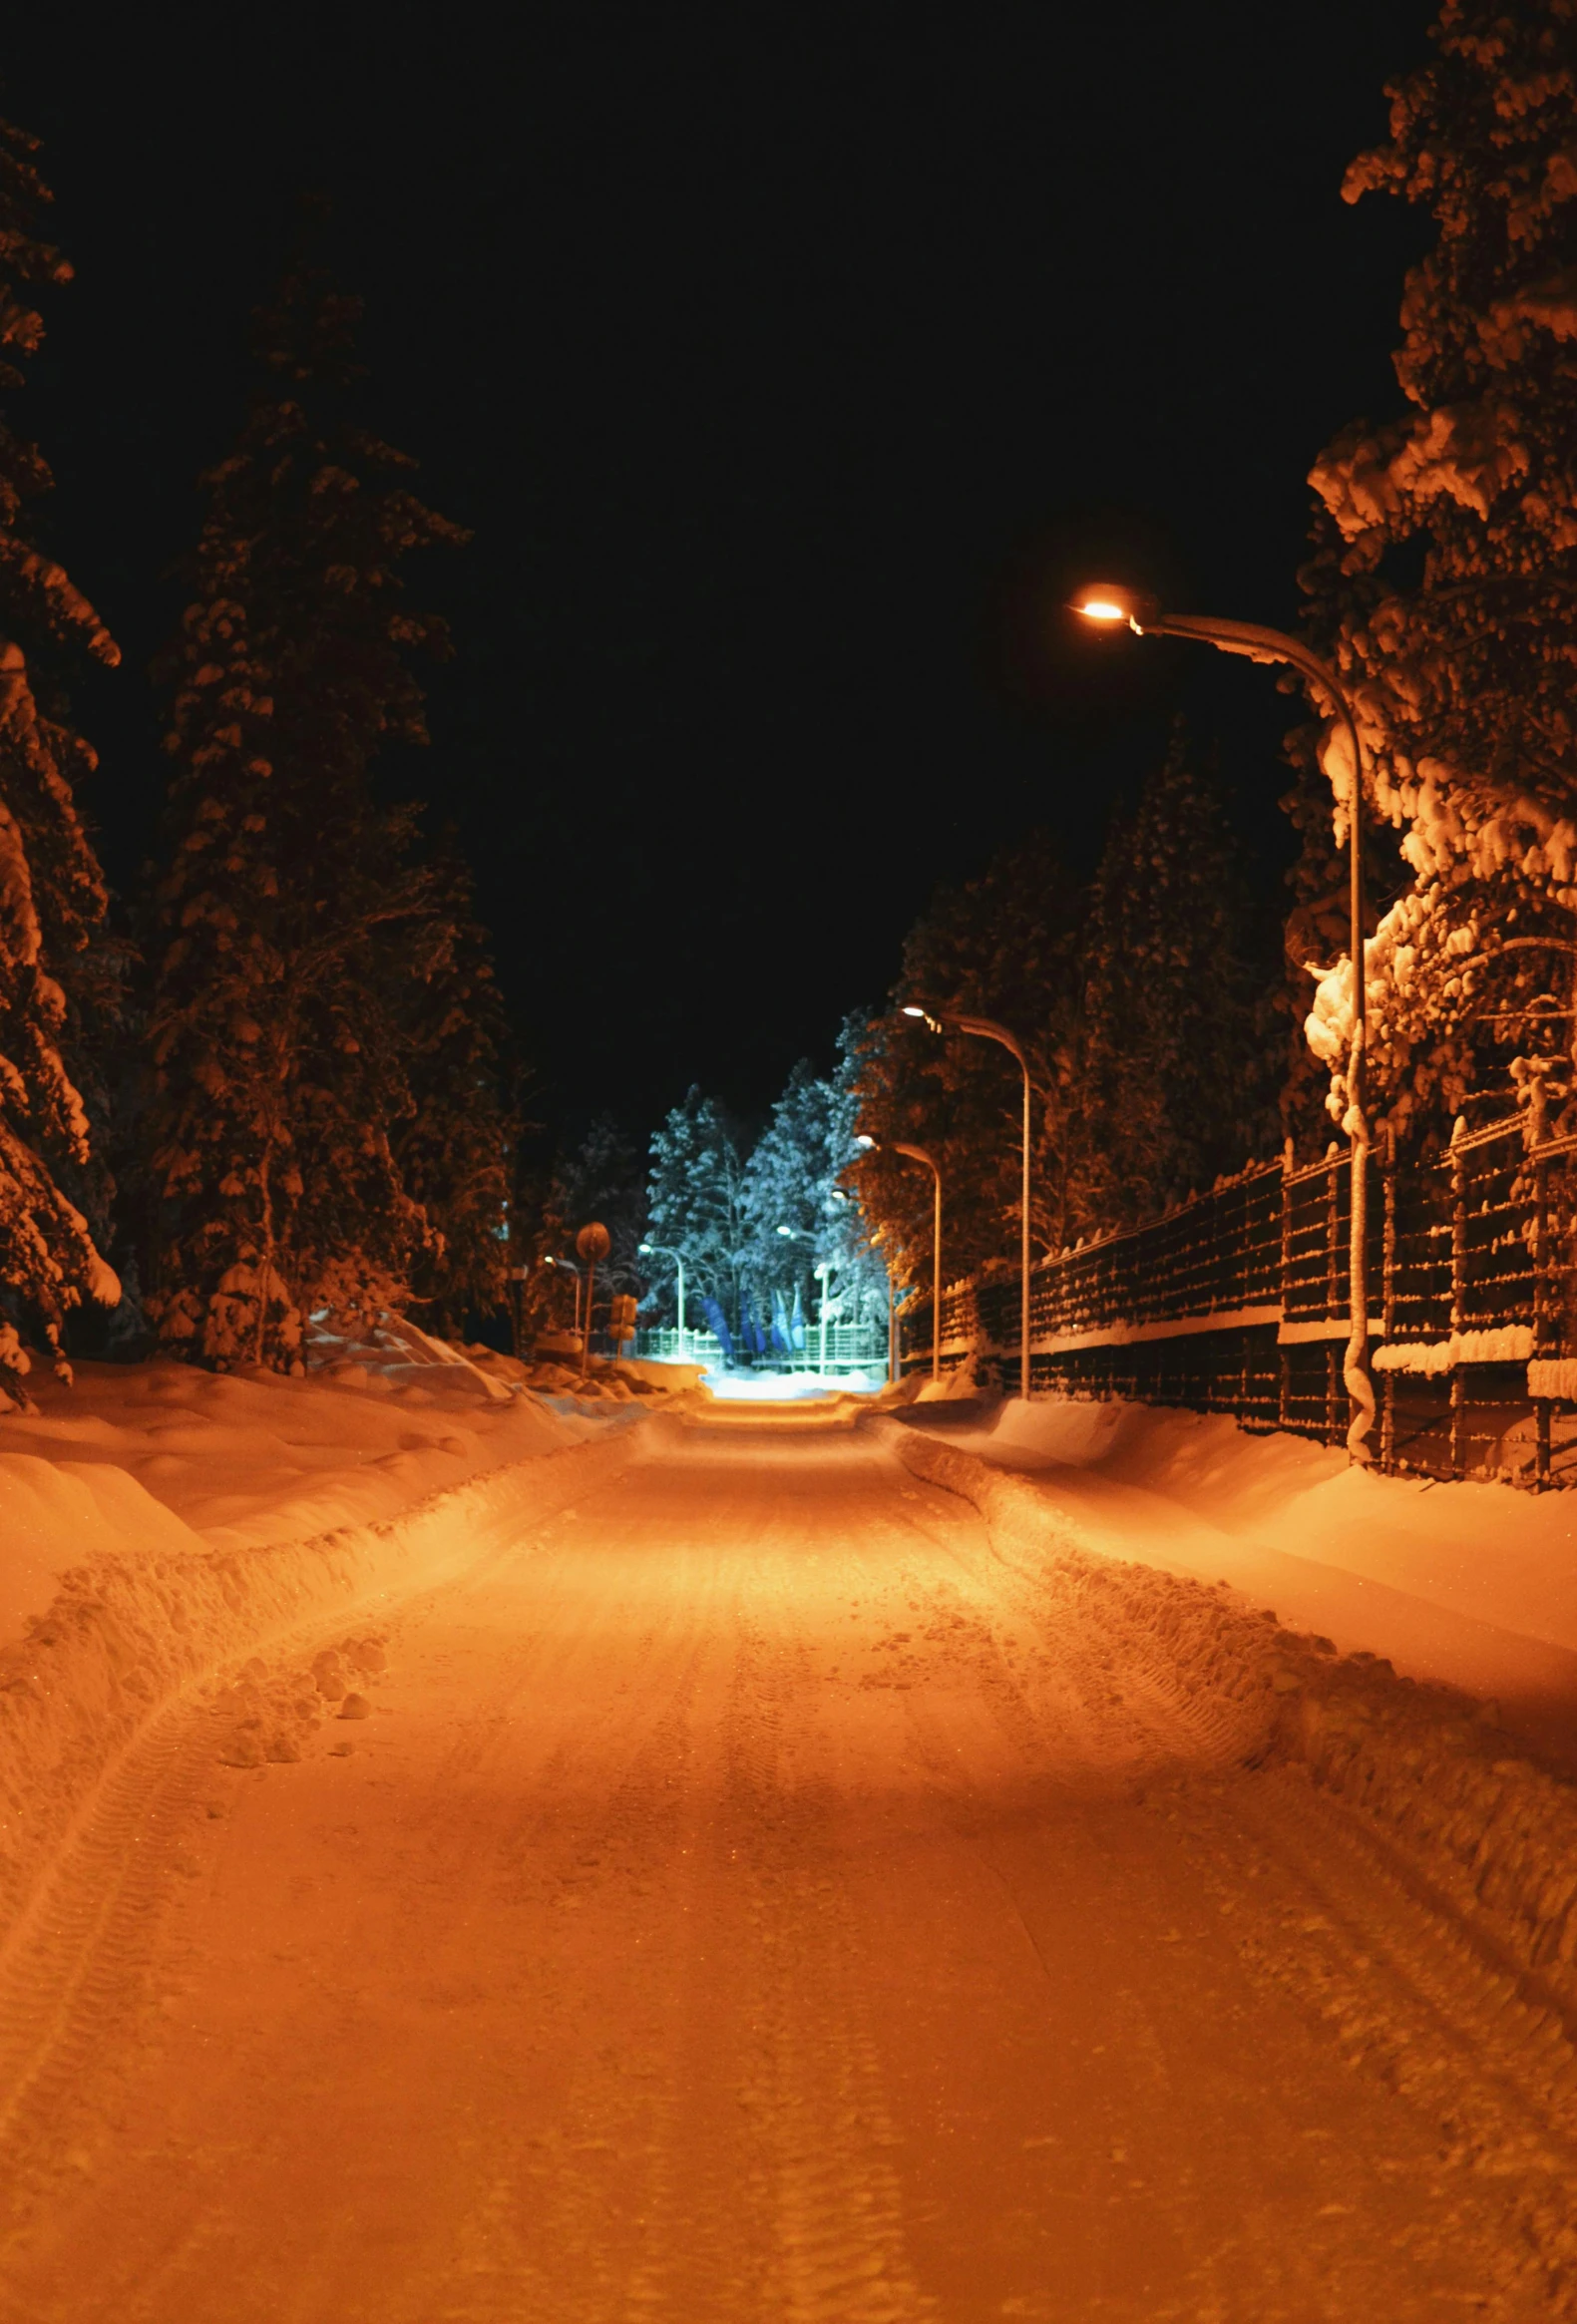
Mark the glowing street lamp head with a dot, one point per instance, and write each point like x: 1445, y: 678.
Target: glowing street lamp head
x: 1107, y: 604
x: 911, y: 1010
x: 645, y: 1249
x: 862, y: 1140
x: 785, y: 1230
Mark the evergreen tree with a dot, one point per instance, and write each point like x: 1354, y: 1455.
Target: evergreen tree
x: 1444, y: 573
x: 695, y: 1202
x: 54, y: 973
x: 293, y: 916
x: 795, y: 1179
x: 1176, y: 1071
x: 454, y: 1149
x: 602, y: 1179
x: 1004, y: 947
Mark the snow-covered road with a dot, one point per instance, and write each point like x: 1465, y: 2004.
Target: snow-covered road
x: 751, y: 1899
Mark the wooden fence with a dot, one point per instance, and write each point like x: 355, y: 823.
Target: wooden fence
x: 1237, y: 1301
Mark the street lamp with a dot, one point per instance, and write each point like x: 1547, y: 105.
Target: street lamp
x: 986, y: 1028
x: 569, y: 1266
x: 919, y: 1154
x: 821, y: 1272
x: 663, y: 1250
x: 1105, y: 603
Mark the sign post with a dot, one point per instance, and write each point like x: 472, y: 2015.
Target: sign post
x: 593, y: 1241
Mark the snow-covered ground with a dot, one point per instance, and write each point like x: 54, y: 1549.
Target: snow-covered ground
x: 482, y: 1852
x: 1474, y: 1585
x: 780, y: 1883
x: 787, y: 1387
x: 139, y: 1460
x: 159, y: 1523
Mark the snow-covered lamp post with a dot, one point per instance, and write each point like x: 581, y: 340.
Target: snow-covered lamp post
x: 919, y: 1154
x: 663, y: 1250
x: 823, y: 1274
x: 1104, y: 602
x: 986, y: 1028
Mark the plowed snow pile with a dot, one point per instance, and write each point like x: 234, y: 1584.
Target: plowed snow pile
x: 1474, y: 1585
x: 157, y: 1523
x: 1491, y: 1832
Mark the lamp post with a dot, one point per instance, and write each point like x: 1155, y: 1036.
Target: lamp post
x: 663, y: 1250
x: 592, y: 1243
x: 986, y: 1028
x: 1103, y: 602
x: 823, y: 1274
x: 575, y: 1287
x: 919, y: 1154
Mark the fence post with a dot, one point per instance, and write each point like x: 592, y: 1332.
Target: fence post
x: 1387, y: 1418
x: 1544, y: 1339
x: 1284, y: 1389
x: 1458, y: 1271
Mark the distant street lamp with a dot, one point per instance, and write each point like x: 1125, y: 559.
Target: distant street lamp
x: 919, y: 1154
x: 1104, y: 602
x: 574, y: 1289
x: 663, y: 1250
x: 987, y: 1029
x: 823, y: 1274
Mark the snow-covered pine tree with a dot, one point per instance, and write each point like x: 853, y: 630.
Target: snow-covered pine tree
x: 1177, y: 1068
x: 1445, y: 575
x: 455, y: 1150
x: 695, y: 1201
x: 795, y: 1178
x: 1006, y: 947
x: 788, y: 1183
x: 52, y: 894
x: 287, y: 919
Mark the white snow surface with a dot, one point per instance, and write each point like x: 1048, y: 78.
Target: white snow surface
x: 157, y: 1523
x: 143, y: 1460
x: 754, y: 1387
x: 1468, y: 1585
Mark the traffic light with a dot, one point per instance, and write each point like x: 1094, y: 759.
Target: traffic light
x: 621, y: 1319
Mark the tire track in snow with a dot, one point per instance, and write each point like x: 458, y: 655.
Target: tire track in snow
x: 1406, y: 1995
x: 825, y: 2135
x: 76, y: 1963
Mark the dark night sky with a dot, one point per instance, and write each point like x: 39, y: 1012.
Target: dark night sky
x: 763, y: 347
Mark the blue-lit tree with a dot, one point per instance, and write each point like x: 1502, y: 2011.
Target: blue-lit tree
x: 695, y: 1202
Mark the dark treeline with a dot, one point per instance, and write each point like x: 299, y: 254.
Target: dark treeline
x: 1152, y: 1009
x: 275, y: 1085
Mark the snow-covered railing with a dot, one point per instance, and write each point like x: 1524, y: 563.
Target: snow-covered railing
x: 1237, y: 1300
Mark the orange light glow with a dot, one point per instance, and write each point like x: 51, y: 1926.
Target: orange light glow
x: 1110, y: 601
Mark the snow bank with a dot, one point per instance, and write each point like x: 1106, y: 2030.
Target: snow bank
x: 249, y: 1456
x: 161, y: 1523
x: 1426, y: 1768
x: 1474, y: 1584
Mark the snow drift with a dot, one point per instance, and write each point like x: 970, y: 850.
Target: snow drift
x: 207, y: 1517
x: 1424, y: 1765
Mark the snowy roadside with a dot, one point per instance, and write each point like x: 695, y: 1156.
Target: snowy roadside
x: 160, y: 1525
x: 1468, y: 1585
x: 1427, y: 1769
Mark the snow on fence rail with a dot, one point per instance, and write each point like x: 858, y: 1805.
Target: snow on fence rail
x: 1237, y: 1301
